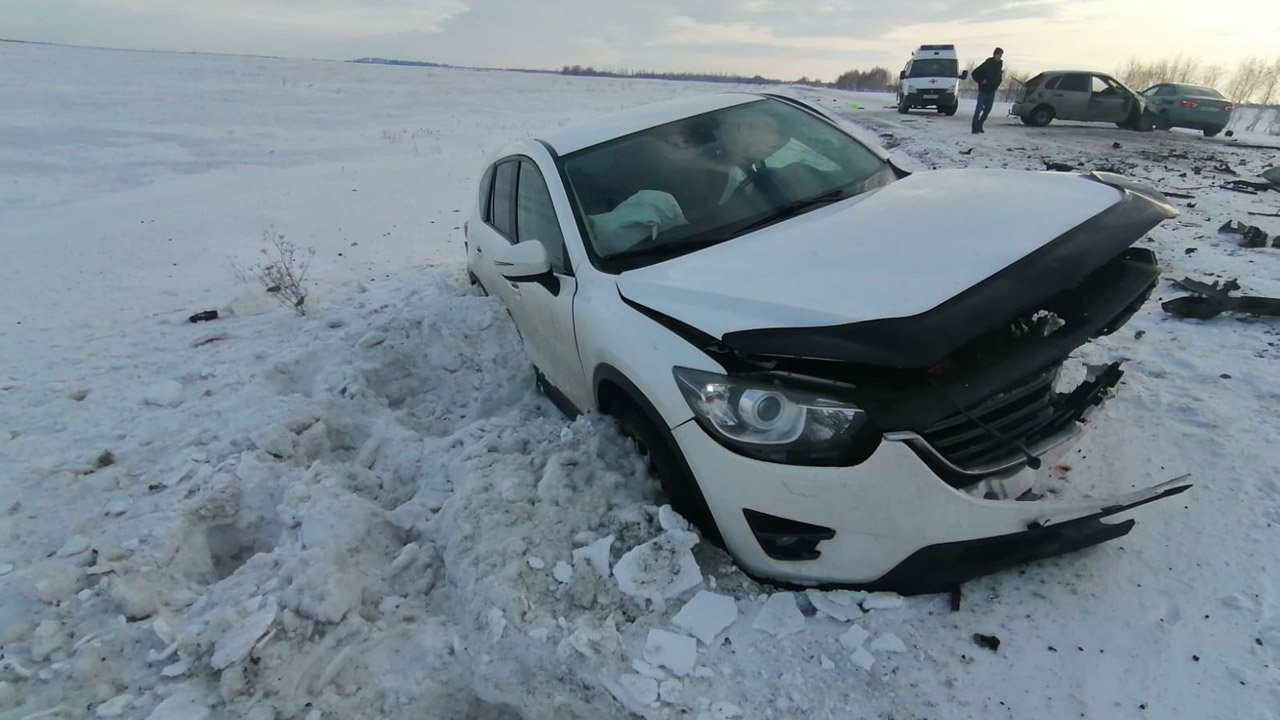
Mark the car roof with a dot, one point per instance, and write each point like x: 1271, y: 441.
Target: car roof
x: 580, y: 135
x: 1073, y: 72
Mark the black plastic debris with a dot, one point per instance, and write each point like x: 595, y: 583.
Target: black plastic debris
x: 967, y: 152
x: 1115, y: 145
x: 1224, y: 168
x: 1211, y: 300
x: 1250, y: 185
x: 1251, y: 236
x: 1272, y: 176
x: 203, y: 316
x: 990, y: 642
x: 1058, y: 167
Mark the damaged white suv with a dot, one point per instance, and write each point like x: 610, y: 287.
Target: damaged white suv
x: 818, y: 357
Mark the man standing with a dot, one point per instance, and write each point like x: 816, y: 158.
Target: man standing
x: 988, y: 75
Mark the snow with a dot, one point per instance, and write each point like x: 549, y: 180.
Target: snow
x: 381, y: 470
x: 854, y: 637
x: 779, y: 616
x: 706, y: 615
x: 887, y: 642
x: 678, y: 653
x: 660, y: 569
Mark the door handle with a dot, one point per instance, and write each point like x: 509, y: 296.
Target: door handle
x: 479, y: 250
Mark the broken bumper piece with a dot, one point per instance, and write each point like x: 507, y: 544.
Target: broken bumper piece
x: 940, y: 568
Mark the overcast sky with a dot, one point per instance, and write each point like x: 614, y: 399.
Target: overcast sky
x: 777, y: 38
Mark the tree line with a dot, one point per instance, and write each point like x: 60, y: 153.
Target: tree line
x: 1256, y: 80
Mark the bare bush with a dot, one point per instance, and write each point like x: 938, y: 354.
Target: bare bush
x: 284, y: 271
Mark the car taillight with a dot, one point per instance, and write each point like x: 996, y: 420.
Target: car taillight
x: 1228, y: 108
x: 1190, y: 104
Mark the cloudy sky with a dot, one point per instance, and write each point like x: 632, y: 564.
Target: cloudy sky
x: 776, y: 38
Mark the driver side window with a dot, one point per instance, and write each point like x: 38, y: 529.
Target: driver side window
x: 536, y: 218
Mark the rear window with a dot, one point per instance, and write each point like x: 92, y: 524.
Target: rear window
x: 934, y: 67
x: 1201, y: 91
x: 1034, y: 82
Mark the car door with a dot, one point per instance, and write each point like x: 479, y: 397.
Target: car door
x: 498, y: 225
x: 1108, y: 102
x: 1071, y: 97
x: 543, y: 311
x: 1163, y: 99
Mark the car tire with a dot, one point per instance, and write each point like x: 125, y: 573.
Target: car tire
x: 475, y: 282
x: 659, y: 449
x: 952, y: 108
x: 1041, y: 116
x: 903, y: 107
x: 1210, y: 132
x: 1163, y: 121
x: 1144, y: 123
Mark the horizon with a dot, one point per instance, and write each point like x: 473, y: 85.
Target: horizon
x: 780, y: 39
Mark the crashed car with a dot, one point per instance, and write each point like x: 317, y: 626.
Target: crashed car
x: 825, y: 390
x: 1189, y: 106
x: 1081, y: 95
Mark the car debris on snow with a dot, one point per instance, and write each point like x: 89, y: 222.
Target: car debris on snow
x: 990, y: 642
x: 1251, y: 236
x: 1211, y: 300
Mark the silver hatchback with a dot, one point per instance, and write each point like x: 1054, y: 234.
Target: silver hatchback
x: 1081, y: 95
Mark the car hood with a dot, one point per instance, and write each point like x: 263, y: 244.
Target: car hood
x: 915, y: 246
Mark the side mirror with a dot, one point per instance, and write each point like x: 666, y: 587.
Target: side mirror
x: 522, y: 261
x: 527, y: 262
x: 902, y: 74
x: 964, y: 74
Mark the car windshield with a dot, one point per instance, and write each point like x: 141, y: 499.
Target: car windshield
x: 934, y: 67
x: 696, y: 182
x: 1200, y: 91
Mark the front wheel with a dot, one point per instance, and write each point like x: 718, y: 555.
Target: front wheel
x: 903, y: 106
x: 659, y: 449
x: 951, y: 109
x: 1163, y: 121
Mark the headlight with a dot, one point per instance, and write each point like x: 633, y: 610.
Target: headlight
x: 778, y: 424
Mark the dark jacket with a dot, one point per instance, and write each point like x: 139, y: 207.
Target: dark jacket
x: 989, y: 74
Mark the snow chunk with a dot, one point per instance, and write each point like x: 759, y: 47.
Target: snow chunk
x: 678, y: 653
x: 706, y: 615
x: 862, y: 658
x: 882, y: 601
x: 74, y: 545
x: 725, y: 711
x: 841, y: 605
x: 854, y: 637
x: 888, y: 642
x: 182, y: 705
x: 780, y: 616
x: 113, y: 707
x: 563, y: 572
x: 596, y: 555
x: 643, y: 689
x: 659, y: 569
x: 235, y: 645
x: 5, y: 569
x: 535, y: 562
x: 826, y: 662
x: 670, y: 691
x: 164, y: 394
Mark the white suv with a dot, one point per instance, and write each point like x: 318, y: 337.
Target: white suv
x: 817, y: 384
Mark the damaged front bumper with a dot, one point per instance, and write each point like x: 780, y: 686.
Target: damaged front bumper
x: 890, y: 523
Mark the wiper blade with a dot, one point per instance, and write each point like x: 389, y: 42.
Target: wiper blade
x: 794, y: 208
x: 665, y: 250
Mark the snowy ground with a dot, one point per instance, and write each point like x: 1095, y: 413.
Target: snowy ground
x: 368, y: 512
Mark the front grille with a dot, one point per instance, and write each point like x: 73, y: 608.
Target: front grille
x: 1028, y: 412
